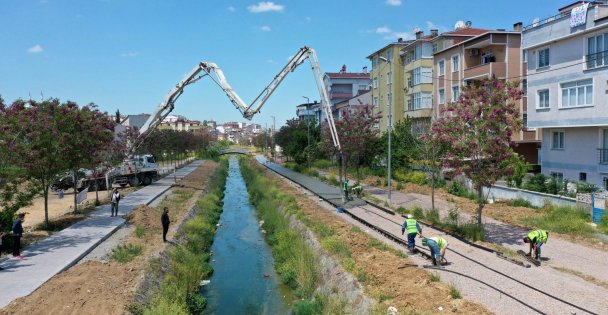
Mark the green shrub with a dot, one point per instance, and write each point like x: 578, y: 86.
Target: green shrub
x: 401, y: 210
x: 140, y: 232
x: 457, y: 188
x: 126, y: 253
x: 308, y: 307
x: 433, y: 216
x: 418, y: 213
x: 520, y: 202
x: 399, y: 186
x: 454, y: 292
x: 538, y: 183
x: 418, y: 178
x: 378, y: 182
x: 163, y: 306
x: 322, y: 164
x: 336, y: 247
x: 196, y: 303
x: 333, y: 180
x: 603, y: 226
x: 435, y: 277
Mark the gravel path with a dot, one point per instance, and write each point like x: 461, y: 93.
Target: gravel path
x: 502, y: 286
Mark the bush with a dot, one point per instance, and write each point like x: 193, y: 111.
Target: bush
x: 399, y: 186
x: 308, y: 307
x: 196, y: 303
x: 537, y: 183
x: 603, y: 226
x: 418, y: 213
x: 433, y: 216
x: 333, y: 180
x: 126, y: 253
x: 457, y: 188
x: 520, y: 202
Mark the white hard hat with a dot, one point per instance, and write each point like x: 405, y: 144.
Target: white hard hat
x: 409, y: 216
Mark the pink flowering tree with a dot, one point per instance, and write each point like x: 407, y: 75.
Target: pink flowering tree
x: 477, y: 131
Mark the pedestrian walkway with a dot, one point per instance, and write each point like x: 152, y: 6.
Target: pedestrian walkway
x: 504, y: 287
x: 63, y: 249
x: 330, y: 193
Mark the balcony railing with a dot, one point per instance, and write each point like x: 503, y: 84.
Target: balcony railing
x: 603, y: 156
x: 547, y: 20
x: 597, y: 59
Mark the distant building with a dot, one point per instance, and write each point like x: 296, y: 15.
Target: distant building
x: 344, y: 85
x: 180, y: 123
x: 354, y: 104
x: 308, y: 111
x: 135, y: 120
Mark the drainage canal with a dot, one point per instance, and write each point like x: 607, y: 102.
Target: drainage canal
x: 244, y: 280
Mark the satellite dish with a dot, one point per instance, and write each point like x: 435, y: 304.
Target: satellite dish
x: 459, y: 25
x: 468, y: 24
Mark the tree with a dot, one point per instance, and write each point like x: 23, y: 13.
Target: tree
x: 477, y: 131
x: 356, y: 133
x: 293, y: 136
x: 117, y: 118
x: 403, y: 144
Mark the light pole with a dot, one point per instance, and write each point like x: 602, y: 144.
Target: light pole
x: 389, y: 128
x: 308, y: 130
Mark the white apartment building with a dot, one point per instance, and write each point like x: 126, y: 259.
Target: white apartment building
x: 567, y: 84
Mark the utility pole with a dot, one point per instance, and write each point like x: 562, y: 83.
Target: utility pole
x: 272, y: 135
x: 389, y: 128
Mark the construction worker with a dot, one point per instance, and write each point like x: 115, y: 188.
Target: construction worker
x: 412, y: 228
x: 358, y: 189
x: 536, y: 239
x: 345, y: 188
x: 437, y: 245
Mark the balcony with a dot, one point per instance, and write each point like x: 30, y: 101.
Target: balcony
x: 596, y: 60
x: 334, y: 95
x: 498, y: 69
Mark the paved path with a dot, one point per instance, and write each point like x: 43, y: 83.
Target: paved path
x: 328, y: 192
x: 63, y: 249
x: 517, y: 291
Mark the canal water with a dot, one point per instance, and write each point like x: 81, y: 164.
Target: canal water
x: 244, y: 280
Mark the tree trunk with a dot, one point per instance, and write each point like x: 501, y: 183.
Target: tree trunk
x: 75, y: 191
x: 45, y: 190
x: 481, y: 204
x: 433, y: 190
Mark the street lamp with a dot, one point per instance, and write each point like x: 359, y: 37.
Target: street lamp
x: 389, y: 128
x: 308, y: 130
x: 272, y: 152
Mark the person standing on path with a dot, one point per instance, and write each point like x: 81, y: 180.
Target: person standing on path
x: 1, y: 236
x: 345, y: 188
x: 437, y: 245
x: 115, y: 200
x: 164, y: 219
x: 536, y: 239
x: 412, y: 228
x: 17, y: 233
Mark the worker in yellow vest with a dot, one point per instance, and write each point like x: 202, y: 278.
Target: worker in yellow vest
x: 412, y: 228
x: 536, y: 239
x: 437, y: 245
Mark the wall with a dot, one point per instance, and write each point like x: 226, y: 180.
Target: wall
x: 535, y: 198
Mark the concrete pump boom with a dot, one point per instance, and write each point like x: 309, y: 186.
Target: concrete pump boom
x: 215, y: 73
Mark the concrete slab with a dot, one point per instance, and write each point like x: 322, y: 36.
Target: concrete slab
x: 63, y: 249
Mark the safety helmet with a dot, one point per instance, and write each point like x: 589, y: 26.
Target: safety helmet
x: 425, y: 241
x: 409, y: 216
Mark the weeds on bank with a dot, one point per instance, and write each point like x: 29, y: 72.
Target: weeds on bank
x: 469, y: 230
x: 454, y: 292
x: 140, y: 232
x: 189, y: 263
x: 126, y: 253
x: 435, y: 277
x: 562, y: 219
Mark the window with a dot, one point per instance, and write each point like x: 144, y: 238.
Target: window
x: 543, y: 58
x: 455, y: 93
x: 418, y: 52
x: 416, y: 76
x: 558, y: 176
x: 389, y: 55
x: 543, y: 99
x: 441, y: 96
x: 487, y: 57
x: 375, y: 82
x: 408, y: 57
x: 390, y: 99
x: 597, y: 51
x: 375, y: 62
x: 375, y: 101
x: 525, y: 121
x: 435, y: 47
x: 582, y: 177
x: 579, y: 93
x: 422, y: 75
x: 525, y: 56
x: 441, y: 67
x: 389, y: 78
x: 557, y: 142
x: 363, y: 87
x: 455, y: 63
x: 409, y: 81
x: 524, y: 87
x: 420, y: 100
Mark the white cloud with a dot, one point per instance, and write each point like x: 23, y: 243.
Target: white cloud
x: 231, y: 8
x: 265, y: 28
x: 265, y: 6
x: 383, y: 30
x: 397, y: 35
x: 308, y: 19
x: 35, y: 49
x: 394, y: 3
x: 130, y: 54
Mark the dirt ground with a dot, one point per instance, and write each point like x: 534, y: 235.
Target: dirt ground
x: 392, y: 279
x: 107, y: 287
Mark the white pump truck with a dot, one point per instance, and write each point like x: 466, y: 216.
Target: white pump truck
x: 142, y: 169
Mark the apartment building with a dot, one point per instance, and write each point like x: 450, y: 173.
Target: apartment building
x: 387, y: 82
x: 567, y: 58
x: 344, y: 85
x: 494, y: 53
x: 417, y: 58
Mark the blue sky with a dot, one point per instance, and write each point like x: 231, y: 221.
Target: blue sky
x: 127, y: 54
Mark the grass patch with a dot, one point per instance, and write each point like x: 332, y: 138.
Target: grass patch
x: 562, y: 219
x: 603, y: 226
x: 126, y: 253
x: 520, y: 202
x: 140, y: 232
x: 435, y: 277
x: 336, y: 247
x: 454, y: 292
x: 373, y: 242
x: 469, y: 230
